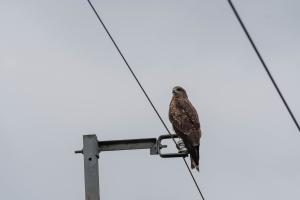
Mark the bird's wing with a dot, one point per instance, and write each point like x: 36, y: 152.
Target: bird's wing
x: 188, y: 109
x: 183, y: 116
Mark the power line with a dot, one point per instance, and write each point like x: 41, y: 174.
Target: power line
x: 264, y: 64
x: 140, y: 85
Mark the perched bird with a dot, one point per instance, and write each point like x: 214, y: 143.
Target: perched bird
x: 186, y: 125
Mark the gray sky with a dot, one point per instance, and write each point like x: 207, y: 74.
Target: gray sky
x: 60, y: 78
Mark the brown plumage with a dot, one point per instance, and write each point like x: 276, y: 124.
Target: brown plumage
x: 185, y: 121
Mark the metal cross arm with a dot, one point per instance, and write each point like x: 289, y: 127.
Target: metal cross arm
x: 155, y: 145
x: 116, y: 145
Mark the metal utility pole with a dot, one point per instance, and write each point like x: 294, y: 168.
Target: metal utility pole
x: 92, y: 147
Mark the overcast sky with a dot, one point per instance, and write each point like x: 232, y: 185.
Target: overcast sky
x: 61, y: 77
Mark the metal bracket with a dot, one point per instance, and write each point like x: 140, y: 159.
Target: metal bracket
x: 168, y: 155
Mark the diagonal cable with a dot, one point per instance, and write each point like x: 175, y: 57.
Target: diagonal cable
x: 264, y: 65
x: 145, y: 93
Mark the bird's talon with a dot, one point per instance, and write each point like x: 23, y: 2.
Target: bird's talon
x: 181, y: 147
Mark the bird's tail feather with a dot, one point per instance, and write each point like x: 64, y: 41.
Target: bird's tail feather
x: 194, y: 155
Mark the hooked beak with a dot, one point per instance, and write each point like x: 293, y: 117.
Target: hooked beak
x: 174, y: 92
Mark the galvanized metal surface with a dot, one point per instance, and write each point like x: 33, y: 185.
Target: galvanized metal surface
x: 91, y: 169
x: 116, y: 145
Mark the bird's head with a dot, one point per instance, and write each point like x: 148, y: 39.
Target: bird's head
x: 179, y: 92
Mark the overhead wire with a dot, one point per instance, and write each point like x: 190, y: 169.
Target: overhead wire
x: 264, y: 64
x: 143, y: 90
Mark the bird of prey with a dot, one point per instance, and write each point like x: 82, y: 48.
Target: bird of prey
x: 186, y: 125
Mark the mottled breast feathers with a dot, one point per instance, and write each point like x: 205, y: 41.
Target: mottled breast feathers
x: 183, y: 116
